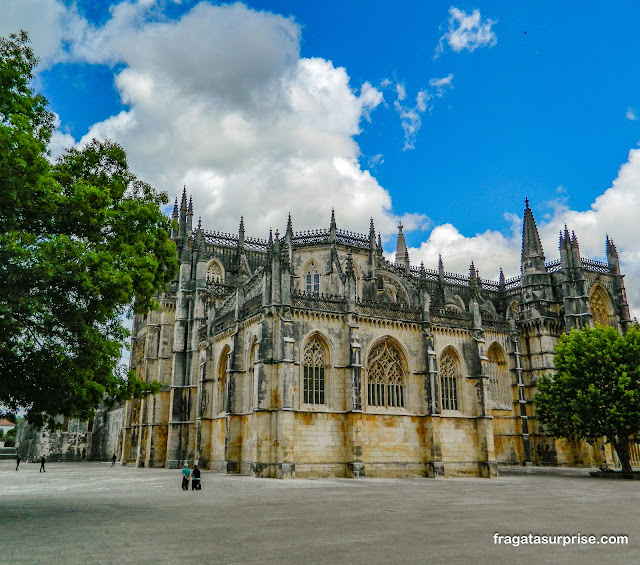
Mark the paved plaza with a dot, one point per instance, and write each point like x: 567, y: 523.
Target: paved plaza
x: 91, y: 513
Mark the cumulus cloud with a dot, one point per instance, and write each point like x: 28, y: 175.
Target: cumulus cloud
x: 631, y: 115
x: 220, y: 100
x: 51, y: 26
x: 467, y: 31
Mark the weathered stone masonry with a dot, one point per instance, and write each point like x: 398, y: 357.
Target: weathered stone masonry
x: 309, y: 354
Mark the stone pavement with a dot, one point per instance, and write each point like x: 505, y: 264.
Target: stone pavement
x: 91, y: 513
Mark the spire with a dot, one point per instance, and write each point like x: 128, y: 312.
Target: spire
x: 190, y: 216
x: 349, y: 264
x: 241, y: 233
x: 174, y: 220
x: 183, y: 205
x: 379, y: 245
x: 574, y: 239
x: 401, y: 247
x: 199, y: 244
x: 532, y: 258
x: 440, y: 269
x: 502, y: 282
x: 472, y: 271
x: 372, y: 236
x: 611, y: 248
x: 289, y: 226
x: 182, y: 219
x: 332, y: 227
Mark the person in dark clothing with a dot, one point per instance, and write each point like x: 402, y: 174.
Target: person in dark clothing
x: 17, y: 462
x: 42, y: 462
x: 113, y: 460
x: 195, y: 478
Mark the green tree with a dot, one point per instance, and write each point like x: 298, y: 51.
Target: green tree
x: 596, y: 390
x: 80, y: 241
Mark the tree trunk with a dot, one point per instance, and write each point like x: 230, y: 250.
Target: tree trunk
x: 621, y: 445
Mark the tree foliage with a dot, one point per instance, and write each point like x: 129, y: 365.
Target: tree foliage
x: 80, y: 240
x: 596, y: 390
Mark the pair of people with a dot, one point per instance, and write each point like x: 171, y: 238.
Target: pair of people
x: 193, y: 475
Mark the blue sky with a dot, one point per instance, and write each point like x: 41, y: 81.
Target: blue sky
x: 441, y: 115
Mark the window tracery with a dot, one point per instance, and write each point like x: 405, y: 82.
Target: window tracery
x: 385, y: 376
x: 449, y: 381
x: 600, y: 305
x: 499, y: 380
x: 312, y: 279
x: 313, y: 372
x: 215, y: 273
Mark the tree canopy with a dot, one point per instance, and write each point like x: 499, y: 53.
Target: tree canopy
x: 596, y: 390
x: 80, y: 241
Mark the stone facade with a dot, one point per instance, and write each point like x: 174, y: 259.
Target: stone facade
x: 310, y: 354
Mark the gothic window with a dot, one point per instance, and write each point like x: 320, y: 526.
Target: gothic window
x: 253, y: 381
x: 313, y: 364
x: 215, y: 273
x: 222, y: 380
x: 601, y: 308
x: 312, y: 279
x: 499, y: 380
x: 385, y: 376
x: 449, y: 380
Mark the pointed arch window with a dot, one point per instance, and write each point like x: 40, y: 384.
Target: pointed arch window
x: 499, y: 380
x: 449, y: 380
x: 601, y: 307
x: 312, y: 279
x: 222, y: 381
x: 385, y: 376
x: 215, y: 274
x: 313, y: 368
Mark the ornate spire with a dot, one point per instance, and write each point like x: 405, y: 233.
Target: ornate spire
x: 190, y: 209
x: 372, y: 236
x: 183, y: 205
x: 574, y: 239
x: 502, y: 282
x: 532, y: 255
x: 349, y: 264
x: 402, y: 255
x: 199, y: 243
x: 289, y: 226
x: 241, y: 232
x: 175, y: 210
x: 611, y: 248
x: 379, y: 245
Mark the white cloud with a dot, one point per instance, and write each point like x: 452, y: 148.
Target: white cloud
x: 631, y: 115
x: 411, y: 116
x: 50, y: 24
x: 467, y: 31
x: 220, y: 100
x: 441, y: 84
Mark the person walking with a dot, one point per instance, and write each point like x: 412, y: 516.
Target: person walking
x: 195, y: 478
x: 17, y: 462
x: 186, y: 474
x: 113, y: 460
x: 42, y: 462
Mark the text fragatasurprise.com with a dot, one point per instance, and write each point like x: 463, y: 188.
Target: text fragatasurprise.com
x: 561, y: 539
